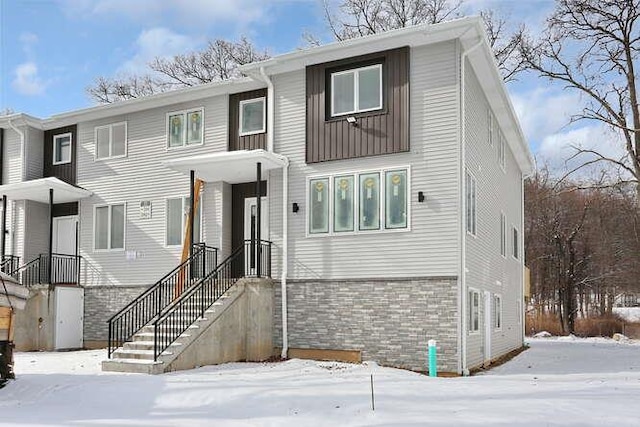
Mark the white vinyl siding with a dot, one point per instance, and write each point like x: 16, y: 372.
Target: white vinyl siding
x: 430, y: 247
x: 111, y: 140
x: 499, y: 202
x: 356, y: 90
x: 143, y: 177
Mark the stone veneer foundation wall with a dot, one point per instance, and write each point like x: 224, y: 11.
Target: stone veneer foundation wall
x: 100, y: 303
x: 389, y: 321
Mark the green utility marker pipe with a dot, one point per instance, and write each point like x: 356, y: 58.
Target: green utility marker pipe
x: 433, y: 372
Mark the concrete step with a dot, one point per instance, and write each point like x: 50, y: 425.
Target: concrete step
x: 144, y: 345
x: 139, y: 366
x: 150, y: 329
x: 122, y: 353
x: 149, y: 336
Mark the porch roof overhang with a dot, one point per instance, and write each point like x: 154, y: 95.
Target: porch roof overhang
x: 37, y: 190
x: 233, y: 167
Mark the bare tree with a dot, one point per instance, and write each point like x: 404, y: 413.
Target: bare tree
x: 356, y: 18
x: 219, y: 60
x: 590, y: 46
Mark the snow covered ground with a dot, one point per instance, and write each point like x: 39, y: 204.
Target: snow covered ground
x: 558, y: 381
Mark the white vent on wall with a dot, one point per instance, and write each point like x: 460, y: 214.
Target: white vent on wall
x: 145, y: 209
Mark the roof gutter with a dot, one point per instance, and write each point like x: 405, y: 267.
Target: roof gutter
x: 462, y: 289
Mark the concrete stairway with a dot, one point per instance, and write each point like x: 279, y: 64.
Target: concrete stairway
x: 224, y: 334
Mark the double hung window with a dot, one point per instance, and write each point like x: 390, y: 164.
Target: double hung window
x: 111, y: 140
x: 109, y: 225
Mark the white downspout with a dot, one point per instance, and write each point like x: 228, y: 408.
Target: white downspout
x: 285, y: 215
x: 463, y: 225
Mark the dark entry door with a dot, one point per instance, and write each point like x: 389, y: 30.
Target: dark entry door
x: 239, y: 194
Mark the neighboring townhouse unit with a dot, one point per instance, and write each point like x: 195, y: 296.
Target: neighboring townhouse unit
x: 389, y: 170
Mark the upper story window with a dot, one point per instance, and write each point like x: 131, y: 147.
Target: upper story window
x: 502, y: 149
x: 252, y: 116
x: 516, y: 244
x: 471, y: 214
x: 111, y: 140
x: 356, y: 90
x: 359, y: 202
x: 62, y: 149
x: 184, y: 128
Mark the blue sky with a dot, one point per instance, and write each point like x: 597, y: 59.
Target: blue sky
x: 51, y: 50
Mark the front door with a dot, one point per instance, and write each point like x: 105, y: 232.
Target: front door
x: 64, y: 266
x: 64, y: 235
x: 250, y: 224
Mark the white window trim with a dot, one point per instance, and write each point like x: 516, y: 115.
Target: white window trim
x: 513, y: 248
x: 356, y: 81
x: 55, y: 138
x: 124, y: 231
x: 496, y: 312
x: 356, y: 203
x: 261, y: 99
x: 503, y: 235
x: 184, y: 219
x: 474, y: 228
x: 184, y: 128
x: 110, y: 126
x: 471, y: 331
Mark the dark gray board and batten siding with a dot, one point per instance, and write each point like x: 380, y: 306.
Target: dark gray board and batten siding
x: 248, y: 142
x: 65, y: 172
x: 378, y: 132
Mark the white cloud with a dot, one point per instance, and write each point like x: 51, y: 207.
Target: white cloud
x: 184, y: 12
x: 544, y: 111
x: 558, y: 151
x: 27, y: 81
x: 156, y: 42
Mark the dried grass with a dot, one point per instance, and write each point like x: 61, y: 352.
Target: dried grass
x: 604, y: 326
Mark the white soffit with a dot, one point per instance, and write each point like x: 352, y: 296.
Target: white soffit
x: 233, y: 167
x: 37, y: 190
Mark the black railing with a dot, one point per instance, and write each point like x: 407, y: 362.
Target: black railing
x: 64, y: 269
x: 192, y: 304
x: 139, y: 312
x: 9, y: 264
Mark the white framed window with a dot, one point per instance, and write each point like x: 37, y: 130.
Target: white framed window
x: 503, y: 234
x: 502, y: 149
x: 491, y: 126
x: 109, y: 227
x: 471, y: 200
x: 177, y: 216
x: 356, y: 90
x: 253, y: 116
x: 473, y: 310
x: 359, y: 202
x: 516, y: 243
x: 111, y: 140
x: 62, y: 145
x: 185, y: 128
x: 497, y: 311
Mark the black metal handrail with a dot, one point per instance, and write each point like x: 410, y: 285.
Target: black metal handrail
x: 9, y: 264
x: 139, y: 312
x: 192, y: 304
x: 64, y: 269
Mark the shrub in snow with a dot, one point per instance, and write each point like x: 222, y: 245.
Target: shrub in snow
x: 542, y: 334
x: 620, y: 337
